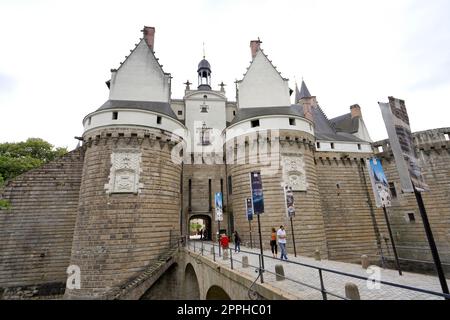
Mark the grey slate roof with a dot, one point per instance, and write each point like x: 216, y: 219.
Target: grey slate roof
x: 304, y: 92
x: 324, y: 129
x: 159, y: 107
x: 345, y: 123
x: 248, y: 113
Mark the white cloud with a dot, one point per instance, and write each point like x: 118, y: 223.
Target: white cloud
x: 59, y: 54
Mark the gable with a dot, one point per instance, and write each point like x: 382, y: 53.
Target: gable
x: 140, y: 78
x: 263, y: 86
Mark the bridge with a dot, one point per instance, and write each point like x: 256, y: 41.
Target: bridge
x: 198, y: 270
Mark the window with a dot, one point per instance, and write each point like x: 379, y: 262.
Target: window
x: 115, y: 115
x: 380, y: 148
x: 158, y: 119
x: 318, y: 145
x: 447, y: 136
x: 204, y: 133
x: 332, y: 145
x: 234, y: 112
x: 89, y: 121
x: 255, y: 123
x: 393, y: 190
x: 359, y: 146
x: 291, y: 121
x: 180, y: 112
x: 411, y: 217
x: 230, y: 186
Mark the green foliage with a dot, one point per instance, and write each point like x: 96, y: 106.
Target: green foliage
x: 4, y: 204
x: 195, y: 226
x: 17, y: 158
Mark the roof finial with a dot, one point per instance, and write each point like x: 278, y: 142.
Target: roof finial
x: 204, y: 50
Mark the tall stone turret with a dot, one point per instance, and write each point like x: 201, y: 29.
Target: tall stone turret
x: 130, y: 197
x: 276, y: 139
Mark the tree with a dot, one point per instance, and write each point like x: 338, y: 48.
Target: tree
x: 17, y: 158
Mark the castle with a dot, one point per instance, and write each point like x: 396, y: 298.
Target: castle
x: 149, y: 164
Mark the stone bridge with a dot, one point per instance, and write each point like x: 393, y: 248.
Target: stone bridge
x: 190, y: 276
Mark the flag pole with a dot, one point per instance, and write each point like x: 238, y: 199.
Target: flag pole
x: 388, y: 224
x: 431, y: 242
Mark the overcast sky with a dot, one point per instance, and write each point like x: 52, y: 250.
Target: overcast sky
x: 56, y: 55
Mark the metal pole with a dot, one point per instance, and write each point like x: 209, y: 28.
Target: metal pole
x: 293, y: 237
x: 431, y: 242
x: 218, y: 230
x: 388, y: 224
x: 261, y: 247
x: 322, y: 286
x: 214, y: 252
x: 251, y: 240
x: 231, y: 258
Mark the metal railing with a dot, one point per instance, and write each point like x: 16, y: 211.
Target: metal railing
x: 199, y: 246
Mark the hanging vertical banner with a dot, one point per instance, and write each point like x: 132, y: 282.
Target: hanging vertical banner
x: 257, y: 192
x: 400, y: 137
x: 219, y: 207
x: 379, y: 182
x: 249, y: 209
x: 289, y: 200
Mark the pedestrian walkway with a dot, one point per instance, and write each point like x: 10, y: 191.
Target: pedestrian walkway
x: 333, y: 283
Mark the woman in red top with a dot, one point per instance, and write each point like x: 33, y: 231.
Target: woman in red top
x: 224, y: 241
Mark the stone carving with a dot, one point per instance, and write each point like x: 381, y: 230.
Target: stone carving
x: 294, y: 174
x: 124, y: 172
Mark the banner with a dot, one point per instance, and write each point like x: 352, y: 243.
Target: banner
x: 289, y: 200
x: 257, y: 192
x: 379, y: 182
x: 249, y: 209
x: 397, y: 125
x: 219, y: 207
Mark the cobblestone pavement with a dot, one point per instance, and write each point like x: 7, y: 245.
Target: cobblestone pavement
x: 334, y: 283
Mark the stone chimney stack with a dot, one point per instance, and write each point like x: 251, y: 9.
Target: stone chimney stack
x: 149, y: 36
x: 355, y: 111
x: 255, y: 46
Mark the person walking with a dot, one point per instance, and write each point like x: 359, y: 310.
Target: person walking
x: 281, y: 233
x: 273, y: 243
x: 237, y: 242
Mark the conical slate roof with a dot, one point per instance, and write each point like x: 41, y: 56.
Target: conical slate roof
x: 304, y: 92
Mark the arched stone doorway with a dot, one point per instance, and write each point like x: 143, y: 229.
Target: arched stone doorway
x: 196, y: 224
x: 191, y: 287
x: 217, y: 293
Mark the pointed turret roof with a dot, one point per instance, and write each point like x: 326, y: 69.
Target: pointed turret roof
x: 304, y: 92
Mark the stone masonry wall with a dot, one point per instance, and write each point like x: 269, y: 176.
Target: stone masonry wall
x: 434, y: 158
x: 36, y: 234
x: 118, y: 235
x: 352, y: 221
x: 308, y: 222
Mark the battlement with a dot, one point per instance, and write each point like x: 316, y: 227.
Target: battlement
x: 424, y: 140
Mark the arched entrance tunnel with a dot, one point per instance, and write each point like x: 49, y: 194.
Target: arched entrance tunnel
x: 200, y: 227
x: 217, y: 293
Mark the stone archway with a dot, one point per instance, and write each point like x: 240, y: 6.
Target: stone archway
x: 217, y: 293
x: 191, y: 286
x: 205, y: 221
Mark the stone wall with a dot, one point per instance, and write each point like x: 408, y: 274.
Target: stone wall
x: 308, y: 223
x: 434, y: 158
x: 118, y: 234
x: 36, y: 234
x: 353, y: 224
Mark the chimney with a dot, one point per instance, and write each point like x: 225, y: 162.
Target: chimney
x: 254, y: 46
x: 307, y: 109
x: 355, y: 111
x: 149, y: 36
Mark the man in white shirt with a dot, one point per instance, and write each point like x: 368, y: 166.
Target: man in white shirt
x: 281, y: 234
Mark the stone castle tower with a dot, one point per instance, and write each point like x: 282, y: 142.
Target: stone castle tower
x: 150, y: 164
